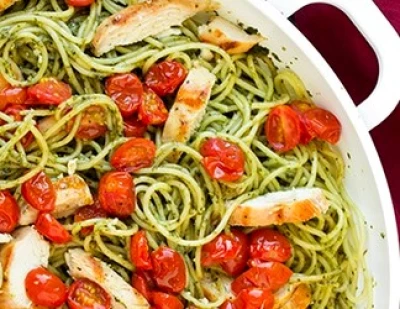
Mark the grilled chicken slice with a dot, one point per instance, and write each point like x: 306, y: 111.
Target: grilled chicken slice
x: 26, y: 252
x: 211, y: 289
x: 72, y: 192
x: 189, y: 107
x: 294, y: 206
x: 46, y: 123
x: 145, y: 19
x: 293, y: 296
x: 228, y: 36
x: 82, y: 265
x: 5, y: 4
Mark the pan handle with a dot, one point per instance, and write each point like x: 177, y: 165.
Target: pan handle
x: 383, y: 39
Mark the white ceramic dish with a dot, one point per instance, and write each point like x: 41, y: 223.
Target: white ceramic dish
x: 365, y: 180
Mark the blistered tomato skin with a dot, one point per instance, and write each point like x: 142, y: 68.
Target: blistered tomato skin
x: 9, y: 212
x: 39, y: 192
x: 133, y: 155
x: 270, y: 246
x: 282, y: 128
x: 165, y: 77
x: 117, y: 194
x: 45, y: 289
x: 127, y: 92
x: 140, y: 253
x: 169, y: 270
x: 222, y: 160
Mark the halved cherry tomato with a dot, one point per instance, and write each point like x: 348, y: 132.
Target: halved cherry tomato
x: 49, y: 91
x: 269, y: 275
x: 133, y: 127
x: 169, y: 270
x: 221, y: 249
x: 51, y: 229
x: 324, y: 124
x: 89, y: 212
x: 152, y: 111
x: 140, y: 255
x: 283, y: 128
x: 10, y: 94
x: 270, y: 246
x: 222, y: 160
x: 127, y: 92
x: 300, y: 107
x: 79, y: 3
x: 86, y: 294
x: 117, y: 194
x: 9, y: 212
x: 133, y: 155
x: 93, y: 123
x: 143, y: 283
x: 236, y: 265
x: 255, y: 298
x: 165, y: 301
x: 39, y: 192
x: 165, y: 77
x: 45, y: 289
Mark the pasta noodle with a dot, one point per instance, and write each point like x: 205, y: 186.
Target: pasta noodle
x: 178, y: 203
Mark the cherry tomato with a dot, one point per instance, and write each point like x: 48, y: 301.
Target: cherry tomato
x: 300, y: 107
x: 133, y: 155
x: 169, y: 270
x: 117, y: 194
x: 53, y: 230
x: 223, y: 248
x: 236, y: 265
x: 166, y: 301
x: 14, y: 111
x: 325, y: 124
x: 283, y: 128
x: 45, y: 289
x: 222, y: 160
x: 144, y: 284
x: 89, y: 212
x: 49, y: 91
x: 93, y: 123
x: 255, y: 298
x: 86, y: 294
x: 140, y: 255
x: 270, y: 246
x: 134, y: 128
x: 152, y: 111
x: 39, y: 192
x: 269, y: 275
x: 9, y: 212
x: 10, y: 94
x: 127, y: 92
x: 79, y: 3
x: 165, y: 77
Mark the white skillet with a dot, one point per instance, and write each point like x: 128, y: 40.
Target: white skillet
x: 365, y: 180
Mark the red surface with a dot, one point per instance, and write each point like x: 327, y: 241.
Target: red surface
x: 353, y: 60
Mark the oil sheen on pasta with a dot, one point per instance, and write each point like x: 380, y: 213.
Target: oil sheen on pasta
x: 177, y: 204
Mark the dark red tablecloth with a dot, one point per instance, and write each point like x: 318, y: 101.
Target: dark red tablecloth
x: 353, y: 60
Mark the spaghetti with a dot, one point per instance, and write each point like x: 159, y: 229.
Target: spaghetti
x: 177, y: 204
